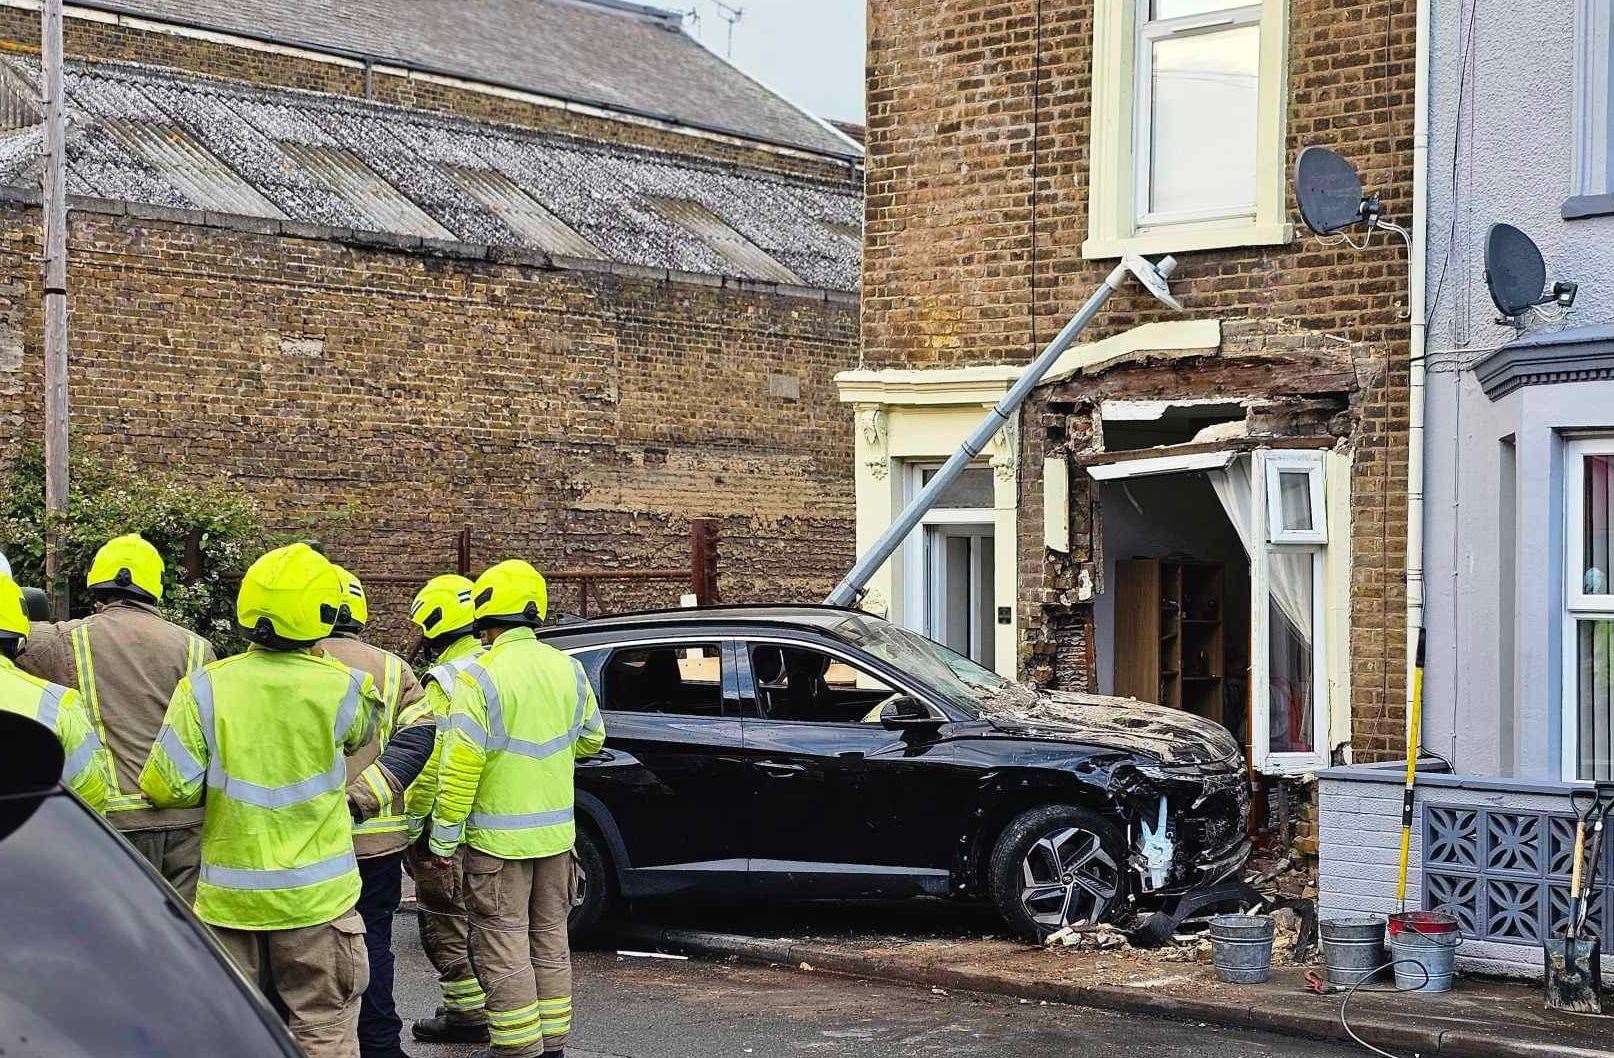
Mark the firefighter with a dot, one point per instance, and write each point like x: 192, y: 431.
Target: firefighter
x: 378, y: 776
x: 265, y: 733
x: 86, y: 771
x: 125, y: 659
x: 443, y: 612
x: 520, y: 715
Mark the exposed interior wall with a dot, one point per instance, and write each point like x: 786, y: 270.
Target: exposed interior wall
x: 580, y: 420
x: 1175, y: 516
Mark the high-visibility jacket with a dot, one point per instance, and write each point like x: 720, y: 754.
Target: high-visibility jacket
x: 59, y: 708
x: 125, y: 661
x: 403, y: 704
x: 521, y: 715
x: 439, y: 686
x: 266, y: 733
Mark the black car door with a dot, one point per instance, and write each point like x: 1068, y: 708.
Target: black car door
x: 670, y: 777
x: 840, y: 804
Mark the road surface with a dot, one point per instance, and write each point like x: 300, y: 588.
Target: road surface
x: 653, y: 1008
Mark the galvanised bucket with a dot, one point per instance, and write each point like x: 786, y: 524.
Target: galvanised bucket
x: 1241, y: 948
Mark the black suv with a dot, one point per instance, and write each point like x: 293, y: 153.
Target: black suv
x: 816, y: 752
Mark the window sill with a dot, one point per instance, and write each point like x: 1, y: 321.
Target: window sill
x: 1582, y: 206
x: 1187, y: 239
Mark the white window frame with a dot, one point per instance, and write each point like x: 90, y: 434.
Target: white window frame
x: 1312, y: 464
x: 916, y: 571
x: 1113, y: 175
x: 1149, y: 32
x: 1266, y: 761
x: 1578, y: 605
x: 1594, y: 93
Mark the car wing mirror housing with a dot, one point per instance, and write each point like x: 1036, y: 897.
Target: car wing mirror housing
x: 907, y: 712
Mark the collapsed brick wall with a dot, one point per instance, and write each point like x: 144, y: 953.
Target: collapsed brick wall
x: 580, y: 420
x: 978, y: 135
x: 19, y: 32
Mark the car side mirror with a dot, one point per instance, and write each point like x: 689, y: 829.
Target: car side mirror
x: 906, y: 711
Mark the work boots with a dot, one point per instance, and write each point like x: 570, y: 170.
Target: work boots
x: 444, y: 1029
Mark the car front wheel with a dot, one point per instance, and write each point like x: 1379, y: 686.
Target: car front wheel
x: 596, y: 887
x: 1057, y: 866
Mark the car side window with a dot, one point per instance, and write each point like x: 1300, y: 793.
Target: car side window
x: 685, y: 679
x: 803, y: 684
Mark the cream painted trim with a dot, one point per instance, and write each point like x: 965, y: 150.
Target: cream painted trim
x: 1337, y: 584
x: 1112, y: 228
x: 1165, y: 336
x: 1056, y: 504
x: 156, y: 26
x: 959, y: 385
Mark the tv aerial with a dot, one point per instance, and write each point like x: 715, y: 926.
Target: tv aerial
x: 1516, y: 274
x: 1332, y: 199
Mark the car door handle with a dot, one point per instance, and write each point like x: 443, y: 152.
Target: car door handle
x: 780, y: 769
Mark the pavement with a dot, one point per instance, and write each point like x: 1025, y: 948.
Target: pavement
x: 628, y: 1007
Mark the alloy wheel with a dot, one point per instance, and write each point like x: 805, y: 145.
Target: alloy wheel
x: 1068, y: 879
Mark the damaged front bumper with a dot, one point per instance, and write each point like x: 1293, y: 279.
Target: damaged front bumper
x: 1188, y: 825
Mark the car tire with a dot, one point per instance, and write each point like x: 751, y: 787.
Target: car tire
x: 598, y: 895
x: 1057, y: 865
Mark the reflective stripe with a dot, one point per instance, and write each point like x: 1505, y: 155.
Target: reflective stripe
x: 539, y: 750
x: 194, y: 653
x: 443, y: 675
x: 50, y: 705
x: 582, y: 695
x: 190, y: 769
x: 467, y: 724
x: 378, y: 786
x: 128, y: 803
x: 490, y: 698
x: 85, y: 663
x: 384, y: 825
x: 446, y: 834
x: 498, y: 738
x: 81, y: 759
x: 349, y: 712
x: 278, y: 796
x: 202, y: 692
x: 271, y: 878
x: 500, y: 821
x: 391, y: 678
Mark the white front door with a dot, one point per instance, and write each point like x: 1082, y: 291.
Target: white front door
x: 958, y: 589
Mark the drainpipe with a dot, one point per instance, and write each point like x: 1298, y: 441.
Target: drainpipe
x: 1416, y: 309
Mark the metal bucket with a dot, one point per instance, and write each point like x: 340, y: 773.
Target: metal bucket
x: 1423, y: 945
x: 1353, y: 949
x: 1241, y: 948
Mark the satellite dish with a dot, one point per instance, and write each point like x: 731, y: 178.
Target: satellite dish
x: 1330, y: 192
x: 1516, y: 273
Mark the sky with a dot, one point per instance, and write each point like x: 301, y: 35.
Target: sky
x: 810, y: 51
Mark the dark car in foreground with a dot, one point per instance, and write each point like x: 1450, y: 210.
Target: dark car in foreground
x: 101, y: 956
x: 821, y: 753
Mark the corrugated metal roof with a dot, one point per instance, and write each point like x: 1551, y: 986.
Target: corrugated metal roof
x: 168, y: 138
x: 525, y: 214
x: 386, y: 209
x: 192, y: 168
x: 740, y: 252
x: 623, y: 56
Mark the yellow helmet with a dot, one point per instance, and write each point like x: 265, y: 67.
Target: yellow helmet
x: 355, y: 608
x: 128, y: 564
x: 13, y: 614
x: 511, y: 592
x: 443, y: 606
x: 289, y: 598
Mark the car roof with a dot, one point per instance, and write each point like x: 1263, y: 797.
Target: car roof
x: 802, y: 616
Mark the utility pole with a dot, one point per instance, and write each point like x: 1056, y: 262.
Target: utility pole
x: 55, y: 218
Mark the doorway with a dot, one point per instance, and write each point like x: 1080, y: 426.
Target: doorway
x: 950, y: 570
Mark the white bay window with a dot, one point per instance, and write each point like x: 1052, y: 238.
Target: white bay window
x: 1588, y: 686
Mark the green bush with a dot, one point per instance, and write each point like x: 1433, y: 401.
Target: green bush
x: 109, y: 497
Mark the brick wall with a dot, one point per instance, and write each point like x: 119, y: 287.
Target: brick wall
x: 577, y: 419
x: 19, y: 32
x: 978, y: 131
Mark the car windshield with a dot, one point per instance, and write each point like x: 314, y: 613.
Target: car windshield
x: 966, y: 684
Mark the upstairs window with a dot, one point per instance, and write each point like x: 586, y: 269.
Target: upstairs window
x: 1188, y: 126
x: 1595, y: 91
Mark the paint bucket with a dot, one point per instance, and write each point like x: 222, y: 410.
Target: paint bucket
x: 1353, y: 949
x: 1241, y: 948
x: 1423, y: 946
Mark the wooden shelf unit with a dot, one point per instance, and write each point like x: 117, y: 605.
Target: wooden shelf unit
x: 1170, y: 637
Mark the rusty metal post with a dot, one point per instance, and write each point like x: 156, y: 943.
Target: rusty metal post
x: 193, y: 556
x: 462, y: 555
x: 703, y: 561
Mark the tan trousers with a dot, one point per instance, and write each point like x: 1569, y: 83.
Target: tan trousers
x: 440, y: 903
x: 319, y: 973
x: 176, y: 853
x: 518, y: 912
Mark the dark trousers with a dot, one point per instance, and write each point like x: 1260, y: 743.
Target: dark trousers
x: 379, y: 1025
